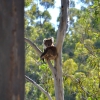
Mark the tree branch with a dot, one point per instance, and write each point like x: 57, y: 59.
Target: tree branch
x: 34, y: 46
x: 52, y: 68
x: 39, y: 87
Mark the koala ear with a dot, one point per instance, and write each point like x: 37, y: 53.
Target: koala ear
x: 52, y: 39
x: 44, y: 40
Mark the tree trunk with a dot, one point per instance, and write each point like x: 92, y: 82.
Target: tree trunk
x: 58, y: 78
x: 12, y: 77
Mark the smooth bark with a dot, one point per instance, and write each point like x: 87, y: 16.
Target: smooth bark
x: 58, y: 79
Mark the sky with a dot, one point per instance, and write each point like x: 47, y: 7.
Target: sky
x: 55, y: 12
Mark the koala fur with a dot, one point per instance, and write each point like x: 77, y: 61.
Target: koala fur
x: 50, y: 51
x: 48, y: 42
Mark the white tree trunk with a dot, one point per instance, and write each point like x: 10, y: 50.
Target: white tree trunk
x: 58, y: 78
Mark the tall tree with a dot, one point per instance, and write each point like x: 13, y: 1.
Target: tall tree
x: 12, y: 50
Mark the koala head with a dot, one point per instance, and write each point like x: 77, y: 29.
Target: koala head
x: 48, y: 42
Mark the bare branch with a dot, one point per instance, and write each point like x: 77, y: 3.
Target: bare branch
x: 52, y: 68
x: 39, y: 87
x: 34, y: 46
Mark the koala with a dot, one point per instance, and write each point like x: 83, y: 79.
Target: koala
x: 48, y: 42
x: 50, y: 51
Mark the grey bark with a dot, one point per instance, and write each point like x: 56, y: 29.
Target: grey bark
x: 12, y: 77
x: 58, y: 78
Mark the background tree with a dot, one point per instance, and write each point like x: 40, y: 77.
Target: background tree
x: 12, y: 50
